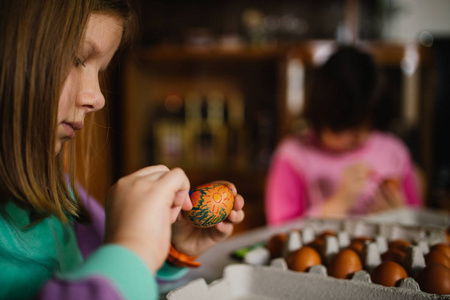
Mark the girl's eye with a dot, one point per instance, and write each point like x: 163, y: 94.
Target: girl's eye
x: 79, y: 62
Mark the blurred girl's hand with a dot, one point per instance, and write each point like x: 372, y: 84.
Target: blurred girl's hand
x: 388, y: 196
x: 194, y: 241
x: 140, y: 209
x: 353, y: 182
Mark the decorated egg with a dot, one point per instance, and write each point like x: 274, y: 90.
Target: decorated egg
x: 211, y: 204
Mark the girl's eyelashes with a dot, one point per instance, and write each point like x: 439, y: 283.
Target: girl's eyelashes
x: 78, y: 61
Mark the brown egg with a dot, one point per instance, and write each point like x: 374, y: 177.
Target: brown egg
x: 357, y: 243
x: 437, y: 257
x: 444, y: 248
x: 435, y: 279
x: 326, y: 233
x: 304, y: 258
x: 275, y: 244
x: 357, y: 247
x: 317, y: 244
x: 344, y: 264
x: 394, y: 182
x: 395, y: 255
x: 399, y: 244
x: 388, y: 273
x: 361, y: 239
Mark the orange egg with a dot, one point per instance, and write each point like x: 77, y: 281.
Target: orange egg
x: 395, y: 255
x: 399, y: 244
x: 317, y: 244
x: 212, y: 203
x: 394, y: 182
x: 304, y: 258
x: 388, y: 273
x: 357, y: 243
x: 438, y: 257
x: 361, y: 239
x: 344, y: 264
x: 326, y: 233
x: 275, y: 244
x: 444, y: 248
x: 435, y: 279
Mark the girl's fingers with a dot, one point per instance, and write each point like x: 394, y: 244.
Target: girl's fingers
x: 224, y: 228
x: 175, y: 210
x: 236, y: 217
x: 151, y: 169
x: 238, y: 202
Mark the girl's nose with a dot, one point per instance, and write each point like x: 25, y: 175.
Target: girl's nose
x: 91, y: 98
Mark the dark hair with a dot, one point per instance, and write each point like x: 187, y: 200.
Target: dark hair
x: 346, y: 92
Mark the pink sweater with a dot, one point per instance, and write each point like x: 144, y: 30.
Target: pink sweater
x: 303, y: 175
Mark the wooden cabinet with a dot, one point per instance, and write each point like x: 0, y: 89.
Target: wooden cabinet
x: 219, y: 113
x: 213, y: 112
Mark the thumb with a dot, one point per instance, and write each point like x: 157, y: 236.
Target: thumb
x: 187, y: 204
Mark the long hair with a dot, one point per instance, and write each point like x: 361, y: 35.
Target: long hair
x: 38, y: 45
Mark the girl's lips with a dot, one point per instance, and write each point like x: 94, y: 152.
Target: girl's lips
x: 76, y: 125
x: 71, y: 127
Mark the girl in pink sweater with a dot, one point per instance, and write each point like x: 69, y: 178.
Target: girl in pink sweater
x: 342, y: 165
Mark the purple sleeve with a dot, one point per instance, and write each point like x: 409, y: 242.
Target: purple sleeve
x: 285, y: 193
x: 94, y: 287
x: 90, y: 236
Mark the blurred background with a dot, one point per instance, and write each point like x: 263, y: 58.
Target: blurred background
x: 212, y: 87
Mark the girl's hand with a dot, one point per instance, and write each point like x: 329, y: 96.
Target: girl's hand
x: 140, y: 209
x: 194, y: 241
x: 387, y: 196
x: 353, y: 182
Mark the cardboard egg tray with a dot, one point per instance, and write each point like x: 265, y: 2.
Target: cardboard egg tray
x: 261, y: 277
x: 276, y: 282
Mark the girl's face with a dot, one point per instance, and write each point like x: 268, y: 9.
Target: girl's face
x: 81, y: 92
x: 344, y: 140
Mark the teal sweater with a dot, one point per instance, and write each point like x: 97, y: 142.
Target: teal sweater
x: 32, y: 255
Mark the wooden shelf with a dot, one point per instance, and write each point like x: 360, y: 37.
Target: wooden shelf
x: 176, y: 54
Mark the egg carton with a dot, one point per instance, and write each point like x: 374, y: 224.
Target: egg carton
x: 421, y: 238
x: 413, y: 216
x: 260, y: 277
x: 277, y: 282
x: 363, y: 227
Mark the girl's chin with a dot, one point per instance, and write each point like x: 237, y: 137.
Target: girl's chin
x: 58, y: 146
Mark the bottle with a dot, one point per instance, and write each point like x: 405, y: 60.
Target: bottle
x: 237, y: 150
x: 168, y: 132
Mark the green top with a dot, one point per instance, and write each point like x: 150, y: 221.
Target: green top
x: 31, y: 255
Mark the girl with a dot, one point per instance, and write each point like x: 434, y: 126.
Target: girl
x: 51, y: 53
x: 342, y: 165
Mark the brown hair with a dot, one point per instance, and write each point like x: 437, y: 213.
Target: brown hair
x: 38, y: 46
x: 346, y: 93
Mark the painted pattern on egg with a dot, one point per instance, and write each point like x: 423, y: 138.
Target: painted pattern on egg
x: 212, y: 203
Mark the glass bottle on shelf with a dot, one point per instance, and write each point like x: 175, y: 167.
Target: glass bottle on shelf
x: 237, y: 150
x: 168, y: 132
x: 210, y: 142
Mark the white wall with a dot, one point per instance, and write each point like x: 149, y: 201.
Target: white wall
x: 416, y: 16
